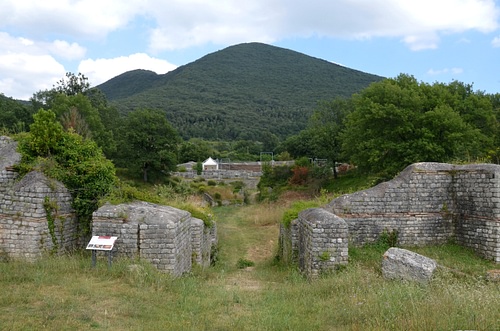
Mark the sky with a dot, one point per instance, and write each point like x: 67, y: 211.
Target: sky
x: 433, y: 40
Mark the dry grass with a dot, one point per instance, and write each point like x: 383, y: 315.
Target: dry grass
x: 65, y: 293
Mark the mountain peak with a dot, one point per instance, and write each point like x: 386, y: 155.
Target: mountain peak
x: 238, y: 92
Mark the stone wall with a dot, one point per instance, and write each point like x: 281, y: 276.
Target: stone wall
x: 428, y: 203
x: 167, y: 237
x: 25, y: 230
x: 170, y: 238
x: 219, y: 174
x: 321, y: 241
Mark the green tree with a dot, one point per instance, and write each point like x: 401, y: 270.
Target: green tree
x: 269, y: 141
x: 78, y: 163
x: 150, y: 143
x: 14, y: 116
x: 400, y: 121
x: 72, y: 95
x: 72, y: 84
x: 46, y: 132
x: 325, y: 126
x: 194, y: 150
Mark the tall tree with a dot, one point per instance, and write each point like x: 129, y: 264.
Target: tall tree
x: 400, y: 121
x: 80, y: 107
x: 195, y: 149
x: 326, y: 125
x: 150, y: 142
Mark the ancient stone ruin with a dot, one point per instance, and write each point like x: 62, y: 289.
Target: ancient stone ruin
x: 36, y: 218
x: 428, y: 203
x: 171, y: 239
x: 35, y: 212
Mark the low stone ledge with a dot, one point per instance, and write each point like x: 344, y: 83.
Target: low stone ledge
x: 402, y: 264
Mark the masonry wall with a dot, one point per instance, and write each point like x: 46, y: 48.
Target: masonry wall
x: 429, y: 203
x: 167, y: 237
x: 322, y: 241
x: 24, y: 226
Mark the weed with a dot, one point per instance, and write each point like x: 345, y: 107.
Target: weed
x: 244, y: 263
x: 325, y: 256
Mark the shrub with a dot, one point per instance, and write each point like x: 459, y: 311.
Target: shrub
x: 244, y: 263
x: 296, y: 207
x: 78, y: 163
x: 300, y: 175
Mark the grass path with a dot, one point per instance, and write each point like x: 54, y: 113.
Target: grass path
x: 240, y: 238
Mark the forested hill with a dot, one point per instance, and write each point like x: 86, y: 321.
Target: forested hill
x: 238, y: 92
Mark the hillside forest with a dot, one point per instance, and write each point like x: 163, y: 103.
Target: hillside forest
x: 382, y: 129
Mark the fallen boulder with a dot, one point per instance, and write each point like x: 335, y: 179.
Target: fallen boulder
x: 403, y: 264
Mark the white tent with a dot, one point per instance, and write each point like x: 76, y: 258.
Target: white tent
x: 210, y: 164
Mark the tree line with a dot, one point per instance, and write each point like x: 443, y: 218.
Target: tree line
x: 399, y: 121
x: 382, y: 129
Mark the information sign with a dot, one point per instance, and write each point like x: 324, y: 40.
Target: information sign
x: 101, y: 243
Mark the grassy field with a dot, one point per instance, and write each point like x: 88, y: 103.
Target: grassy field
x: 65, y: 293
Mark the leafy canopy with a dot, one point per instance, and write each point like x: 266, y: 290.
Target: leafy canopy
x: 66, y: 156
x: 400, y: 121
x: 149, y: 143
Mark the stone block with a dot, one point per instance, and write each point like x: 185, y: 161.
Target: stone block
x: 402, y: 264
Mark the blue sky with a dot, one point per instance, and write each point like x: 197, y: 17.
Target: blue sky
x: 435, y: 41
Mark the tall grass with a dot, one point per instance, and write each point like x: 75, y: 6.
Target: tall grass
x: 65, y: 293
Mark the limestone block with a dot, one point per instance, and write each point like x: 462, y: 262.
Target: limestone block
x: 403, y: 264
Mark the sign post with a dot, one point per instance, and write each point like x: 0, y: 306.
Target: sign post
x: 101, y: 243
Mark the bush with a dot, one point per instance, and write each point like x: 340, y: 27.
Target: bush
x: 244, y: 263
x: 78, y: 163
x: 300, y: 175
x: 296, y: 207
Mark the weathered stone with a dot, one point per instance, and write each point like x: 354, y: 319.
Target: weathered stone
x: 493, y: 275
x: 167, y: 237
x: 403, y: 264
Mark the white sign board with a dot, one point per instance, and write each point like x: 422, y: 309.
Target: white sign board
x: 102, y: 243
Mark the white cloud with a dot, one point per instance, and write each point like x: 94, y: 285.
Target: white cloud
x: 27, y: 66
x: 177, y: 24
x: 77, y: 18
x: 100, y: 70
x: 66, y: 50
x: 26, y: 74
x: 496, y: 42
x: 445, y: 71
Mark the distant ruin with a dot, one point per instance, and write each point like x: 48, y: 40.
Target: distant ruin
x: 428, y: 203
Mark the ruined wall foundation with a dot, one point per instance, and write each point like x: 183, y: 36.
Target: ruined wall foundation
x: 25, y: 229
x: 428, y: 203
x: 36, y: 218
x: 167, y: 237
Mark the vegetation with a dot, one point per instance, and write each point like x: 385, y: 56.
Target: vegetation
x: 149, y: 143
x: 397, y: 122
x: 66, y: 293
x: 243, y: 92
x: 78, y: 163
x: 15, y: 117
